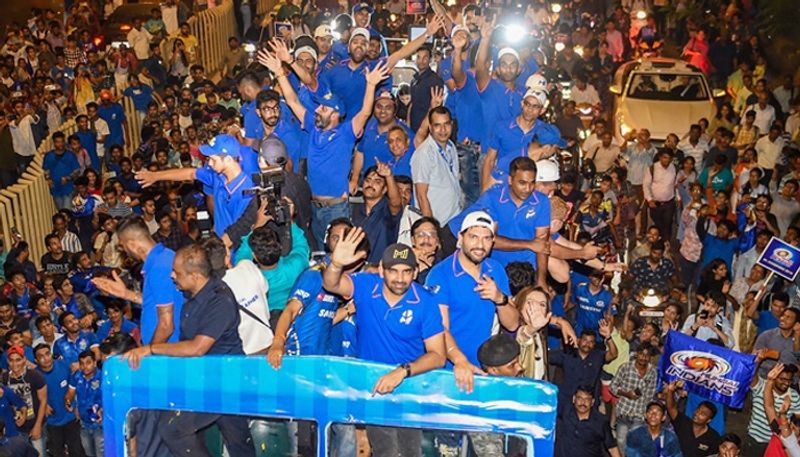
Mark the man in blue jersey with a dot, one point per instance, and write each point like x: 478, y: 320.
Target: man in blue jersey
x: 86, y: 384
x: 523, y: 218
x: 471, y: 289
x: 399, y: 323
x: 74, y: 341
x: 160, y: 300
x: 63, y: 428
x: 305, y: 325
x: 593, y: 300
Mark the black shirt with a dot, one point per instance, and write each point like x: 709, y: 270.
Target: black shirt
x: 583, y: 438
x: 691, y: 446
x: 421, y: 95
x: 581, y: 372
x: 26, y: 388
x: 214, y: 313
x: 56, y: 266
x: 380, y: 225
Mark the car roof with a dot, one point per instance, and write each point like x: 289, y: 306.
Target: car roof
x: 664, y: 65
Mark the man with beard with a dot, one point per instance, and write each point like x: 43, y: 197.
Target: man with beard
x: 330, y: 144
x: 161, y: 302
x: 471, y: 289
x: 209, y: 326
x: 347, y: 78
x: 323, y: 37
x: 380, y: 212
x: 390, y: 304
x: 523, y: 217
x: 374, y: 144
x: 582, y: 431
x: 268, y: 108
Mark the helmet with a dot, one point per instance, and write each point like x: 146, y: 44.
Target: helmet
x: 547, y: 171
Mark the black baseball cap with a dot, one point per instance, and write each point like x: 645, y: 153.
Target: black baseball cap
x: 398, y: 254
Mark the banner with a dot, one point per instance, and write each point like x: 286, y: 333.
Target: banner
x: 416, y: 6
x: 710, y: 371
x: 780, y: 257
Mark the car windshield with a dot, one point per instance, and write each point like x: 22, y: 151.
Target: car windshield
x: 659, y: 86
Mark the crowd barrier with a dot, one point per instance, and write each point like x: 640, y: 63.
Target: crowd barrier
x: 28, y: 205
x: 327, y: 390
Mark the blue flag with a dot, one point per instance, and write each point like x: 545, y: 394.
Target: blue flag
x: 708, y: 370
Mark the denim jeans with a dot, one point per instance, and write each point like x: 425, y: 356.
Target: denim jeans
x: 625, y: 425
x: 321, y: 216
x: 468, y: 157
x: 63, y: 201
x: 92, y: 441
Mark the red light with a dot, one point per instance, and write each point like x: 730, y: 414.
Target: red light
x: 98, y: 40
x: 125, y: 27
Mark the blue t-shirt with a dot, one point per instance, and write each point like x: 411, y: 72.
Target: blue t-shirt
x: 591, y: 307
x: 717, y: 248
x: 350, y: 85
x: 510, y: 142
x: 60, y: 166
x: 89, y: 142
x: 471, y: 317
x: 766, y: 321
x: 466, y: 106
x: 230, y: 202
x: 344, y: 338
x: 89, y: 396
x: 393, y: 334
x: 517, y: 223
x: 57, y: 381
x: 159, y: 290
x: 310, y: 332
x: 329, y: 155
x: 500, y: 103
x: 8, y: 403
x: 105, y: 328
x: 141, y: 96
x: 114, y: 116
x: 374, y: 146
x: 70, y: 350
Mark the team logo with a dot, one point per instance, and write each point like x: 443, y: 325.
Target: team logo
x: 531, y: 213
x: 95, y: 384
x: 783, y: 256
x: 407, y: 317
x: 328, y: 96
x: 703, y: 369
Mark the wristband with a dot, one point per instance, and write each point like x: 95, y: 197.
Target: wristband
x: 407, y: 368
x: 504, y: 302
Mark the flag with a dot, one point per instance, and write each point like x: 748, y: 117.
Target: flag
x: 707, y: 370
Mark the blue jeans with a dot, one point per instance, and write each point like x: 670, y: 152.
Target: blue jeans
x: 625, y: 425
x: 63, y: 201
x: 92, y: 440
x: 468, y: 157
x: 321, y: 216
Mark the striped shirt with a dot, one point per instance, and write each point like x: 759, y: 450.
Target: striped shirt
x: 70, y: 242
x: 628, y: 379
x: 759, y: 429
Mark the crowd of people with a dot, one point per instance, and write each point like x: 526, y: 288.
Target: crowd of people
x: 300, y: 202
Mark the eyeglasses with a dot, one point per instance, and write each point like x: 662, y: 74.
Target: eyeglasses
x: 426, y: 234
x: 271, y: 109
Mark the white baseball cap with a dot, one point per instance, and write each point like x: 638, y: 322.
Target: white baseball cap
x: 323, y: 31
x: 536, y: 81
x: 477, y: 219
x: 510, y: 51
x: 359, y: 31
x: 547, y: 171
x: 539, y: 95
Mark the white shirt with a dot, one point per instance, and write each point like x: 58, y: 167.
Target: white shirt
x: 764, y: 117
x: 698, y: 152
x: 588, y: 95
x: 439, y: 169
x: 784, y: 97
x: 768, y: 151
x: 169, y: 14
x: 101, y: 130
x: 140, y: 42
x: 22, y: 136
x: 660, y: 185
x: 792, y: 123
x: 70, y: 242
x: 250, y: 289
x: 41, y: 340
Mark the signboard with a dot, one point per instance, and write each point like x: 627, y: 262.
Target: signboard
x: 328, y: 390
x: 710, y: 371
x: 416, y: 6
x: 780, y: 257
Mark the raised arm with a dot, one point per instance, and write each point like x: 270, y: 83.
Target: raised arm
x: 393, y: 193
x: 482, y: 74
x: 333, y: 278
x: 374, y: 77
x: 411, y: 47
x: 274, y: 65
x: 282, y: 53
x: 147, y: 178
x: 459, y: 76
x: 437, y: 100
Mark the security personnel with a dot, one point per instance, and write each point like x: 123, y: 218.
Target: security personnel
x: 330, y: 144
x: 305, y: 325
x: 522, y: 215
x: 593, y: 300
x: 209, y: 326
x: 471, y: 289
x: 223, y: 176
x: 398, y: 323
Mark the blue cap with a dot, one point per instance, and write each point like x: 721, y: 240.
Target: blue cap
x: 361, y: 6
x: 222, y: 145
x: 330, y: 100
x: 549, y: 134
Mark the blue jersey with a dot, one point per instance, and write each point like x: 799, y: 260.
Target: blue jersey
x: 471, y: 317
x: 514, y: 222
x: 310, y: 332
x: 330, y: 153
x: 466, y: 106
x: 69, y: 350
x: 158, y: 289
x: 500, y: 103
x: 393, y: 334
x: 57, y: 381
x: 89, y: 395
x: 89, y: 142
x: 374, y: 146
x: 350, y: 85
x: 61, y: 166
x: 105, y: 328
x: 114, y: 116
x: 344, y: 338
x: 230, y: 202
x: 8, y: 403
x: 591, y: 307
x: 141, y: 95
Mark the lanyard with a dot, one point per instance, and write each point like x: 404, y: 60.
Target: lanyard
x: 449, y: 161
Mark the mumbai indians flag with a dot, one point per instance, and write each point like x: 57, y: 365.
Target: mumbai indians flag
x: 707, y: 370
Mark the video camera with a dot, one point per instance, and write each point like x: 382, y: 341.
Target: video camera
x: 269, y: 183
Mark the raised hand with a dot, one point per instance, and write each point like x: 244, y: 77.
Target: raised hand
x: 270, y: 61
x: 536, y: 319
x: 488, y: 290
x: 437, y: 96
x: 280, y: 50
x: 377, y: 74
x: 433, y: 25
x: 487, y: 28
x: 605, y: 328
x: 459, y: 41
x: 775, y: 372
x: 345, y: 252
x: 383, y: 169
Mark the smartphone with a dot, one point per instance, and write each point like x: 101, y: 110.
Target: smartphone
x: 703, y: 314
x: 281, y: 29
x: 16, y: 233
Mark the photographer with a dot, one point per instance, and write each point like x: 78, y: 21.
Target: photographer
x: 272, y: 158
x: 708, y: 323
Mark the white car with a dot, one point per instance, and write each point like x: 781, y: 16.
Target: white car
x: 662, y: 95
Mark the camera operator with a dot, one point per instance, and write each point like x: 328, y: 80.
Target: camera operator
x: 272, y: 158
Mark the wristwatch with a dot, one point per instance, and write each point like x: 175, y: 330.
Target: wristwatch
x: 407, y: 368
x: 504, y: 302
